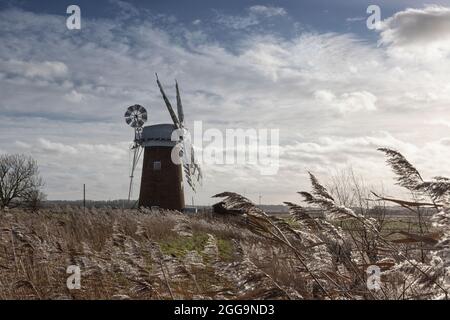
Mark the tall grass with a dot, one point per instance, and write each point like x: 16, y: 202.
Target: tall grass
x: 332, y: 261
x: 246, y: 254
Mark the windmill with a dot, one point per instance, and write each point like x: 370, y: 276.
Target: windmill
x: 162, y: 178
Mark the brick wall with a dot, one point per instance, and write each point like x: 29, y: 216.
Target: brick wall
x: 162, y: 188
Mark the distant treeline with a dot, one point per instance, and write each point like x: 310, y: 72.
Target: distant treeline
x: 122, y: 203
x: 115, y: 204
x: 271, y: 209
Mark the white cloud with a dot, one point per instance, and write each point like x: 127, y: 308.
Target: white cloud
x: 48, y: 70
x: 348, y: 101
x: 237, y: 22
x: 48, y: 146
x: 75, y: 127
x: 67, y: 166
x: 440, y: 122
x: 23, y: 145
x: 418, y: 32
x: 256, y: 15
x: 331, y: 153
x: 44, y: 146
x: 74, y: 96
x: 127, y: 9
x: 267, y: 11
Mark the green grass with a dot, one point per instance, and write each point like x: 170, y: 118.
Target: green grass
x: 225, y: 249
x: 291, y: 222
x: 178, y: 246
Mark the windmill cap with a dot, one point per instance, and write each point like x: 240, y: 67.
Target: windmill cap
x: 158, y: 135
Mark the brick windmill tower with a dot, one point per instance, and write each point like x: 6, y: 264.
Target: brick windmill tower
x: 162, y: 177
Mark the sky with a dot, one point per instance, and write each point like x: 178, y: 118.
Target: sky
x: 335, y: 89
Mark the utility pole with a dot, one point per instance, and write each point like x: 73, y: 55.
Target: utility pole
x: 84, y: 198
x: 260, y: 199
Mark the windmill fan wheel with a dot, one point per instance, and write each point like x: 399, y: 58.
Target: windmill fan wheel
x: 136, y: 116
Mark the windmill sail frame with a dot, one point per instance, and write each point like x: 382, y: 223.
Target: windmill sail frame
x: 191, y: 168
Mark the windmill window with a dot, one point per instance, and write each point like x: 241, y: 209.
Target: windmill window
x: 156, y: 165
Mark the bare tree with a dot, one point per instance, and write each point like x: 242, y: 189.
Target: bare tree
x: 351, y: 190
x: 20, y: 182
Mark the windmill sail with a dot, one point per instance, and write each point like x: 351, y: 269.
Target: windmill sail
x: 179, y: 106
x: 192, y: 171
x: 197, y: 172
x: 191, y: 168
x: 175, y: 120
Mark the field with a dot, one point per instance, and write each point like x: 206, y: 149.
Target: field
x: 342, y: 245
x: 131, y: 254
